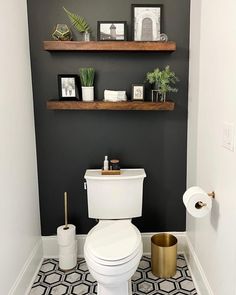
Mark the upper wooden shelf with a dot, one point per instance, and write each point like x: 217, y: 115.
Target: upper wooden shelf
x: 115, y: 106
x: 169, y: 46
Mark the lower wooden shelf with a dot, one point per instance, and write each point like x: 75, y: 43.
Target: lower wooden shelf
x: 111, y: 106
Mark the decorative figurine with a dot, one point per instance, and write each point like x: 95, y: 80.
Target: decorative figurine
x: 163, y: 38
x: 62, y: 33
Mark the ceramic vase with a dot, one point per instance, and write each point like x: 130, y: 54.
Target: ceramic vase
x: 88, y: 93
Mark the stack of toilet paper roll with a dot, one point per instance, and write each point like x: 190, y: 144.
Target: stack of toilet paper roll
x: 197, y: 202
x: 67, y: 246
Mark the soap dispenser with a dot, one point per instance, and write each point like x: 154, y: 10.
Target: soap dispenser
x: 106, y: 164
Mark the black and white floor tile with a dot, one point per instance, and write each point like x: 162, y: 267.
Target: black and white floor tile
x: 52, y: 281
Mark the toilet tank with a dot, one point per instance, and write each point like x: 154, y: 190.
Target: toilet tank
x: 115, y: 196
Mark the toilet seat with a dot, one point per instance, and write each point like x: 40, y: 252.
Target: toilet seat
x: 112, y: 262
x: 113, y: 242
x: 115, y: 269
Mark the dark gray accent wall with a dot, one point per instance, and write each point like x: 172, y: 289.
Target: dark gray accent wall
x: 69, y: 142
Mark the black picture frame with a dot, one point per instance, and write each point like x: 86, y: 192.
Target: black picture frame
x: 136, y: 35
x: 138, y: 96
x: 101, y: 36
x: 68, y: 87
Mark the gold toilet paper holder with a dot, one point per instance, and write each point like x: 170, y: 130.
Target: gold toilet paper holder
x: 212, y: 195
x: 200, y: 204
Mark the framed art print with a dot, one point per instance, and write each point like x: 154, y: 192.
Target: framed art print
x: 112, y: 31
x: 147, y: 22
x: 67, y: 87
x: 138, y: 92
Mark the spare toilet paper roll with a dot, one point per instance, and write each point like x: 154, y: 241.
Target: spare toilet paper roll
x: 67, y: 262
x: 72, y: 248
x: 191, y: 199
x: 65, y: 236
x: 67, y: 247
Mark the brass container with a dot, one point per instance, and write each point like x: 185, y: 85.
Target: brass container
x: 164, y: 255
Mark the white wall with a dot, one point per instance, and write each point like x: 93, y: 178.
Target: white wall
x: 19, y: 208
x: 212, y: 101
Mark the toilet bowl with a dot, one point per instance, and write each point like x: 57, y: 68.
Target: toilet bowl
x: 112, y: 250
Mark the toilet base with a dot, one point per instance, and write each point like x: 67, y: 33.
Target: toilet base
x: 123, y: 289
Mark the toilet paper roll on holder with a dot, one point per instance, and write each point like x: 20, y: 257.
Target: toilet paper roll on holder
x: 200, y: 204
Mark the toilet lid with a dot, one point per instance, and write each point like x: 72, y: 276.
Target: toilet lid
x: 113, y: 240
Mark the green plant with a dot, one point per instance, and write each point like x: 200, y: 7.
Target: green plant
x: 163, y: 79
x: 77, y: 21
x: 87, y: 76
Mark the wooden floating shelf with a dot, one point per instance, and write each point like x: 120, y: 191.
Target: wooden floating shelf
x: 169, y: 46
x: 111, y: 106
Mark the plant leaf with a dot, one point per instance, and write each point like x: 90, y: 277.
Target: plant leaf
x: 87, y: 76
x: 77, y: 21
x: 164, y: 78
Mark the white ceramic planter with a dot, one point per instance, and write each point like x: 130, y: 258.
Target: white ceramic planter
x: 88, y: 93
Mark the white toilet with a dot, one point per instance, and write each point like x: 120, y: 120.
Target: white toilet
x: 113, y: 248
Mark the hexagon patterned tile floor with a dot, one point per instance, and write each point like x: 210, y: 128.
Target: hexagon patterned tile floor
x: 52, y: 281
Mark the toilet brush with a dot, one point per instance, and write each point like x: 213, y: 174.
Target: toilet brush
x: 67, y: 242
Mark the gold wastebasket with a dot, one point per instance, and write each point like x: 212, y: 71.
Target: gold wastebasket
x: 164, y: 255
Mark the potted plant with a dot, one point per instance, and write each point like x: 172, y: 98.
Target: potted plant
x: 87, y: 80
x: 163, y: 81
x: 80, y: 24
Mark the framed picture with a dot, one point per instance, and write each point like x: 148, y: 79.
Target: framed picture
x: 68, y: 87
x: 111, y: 31
x: 147, y: 22
x: 138, y: 92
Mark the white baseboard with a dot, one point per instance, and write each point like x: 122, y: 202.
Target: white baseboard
x: 50, y: 247
x: 29, y: 271
x: 196, y: 270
